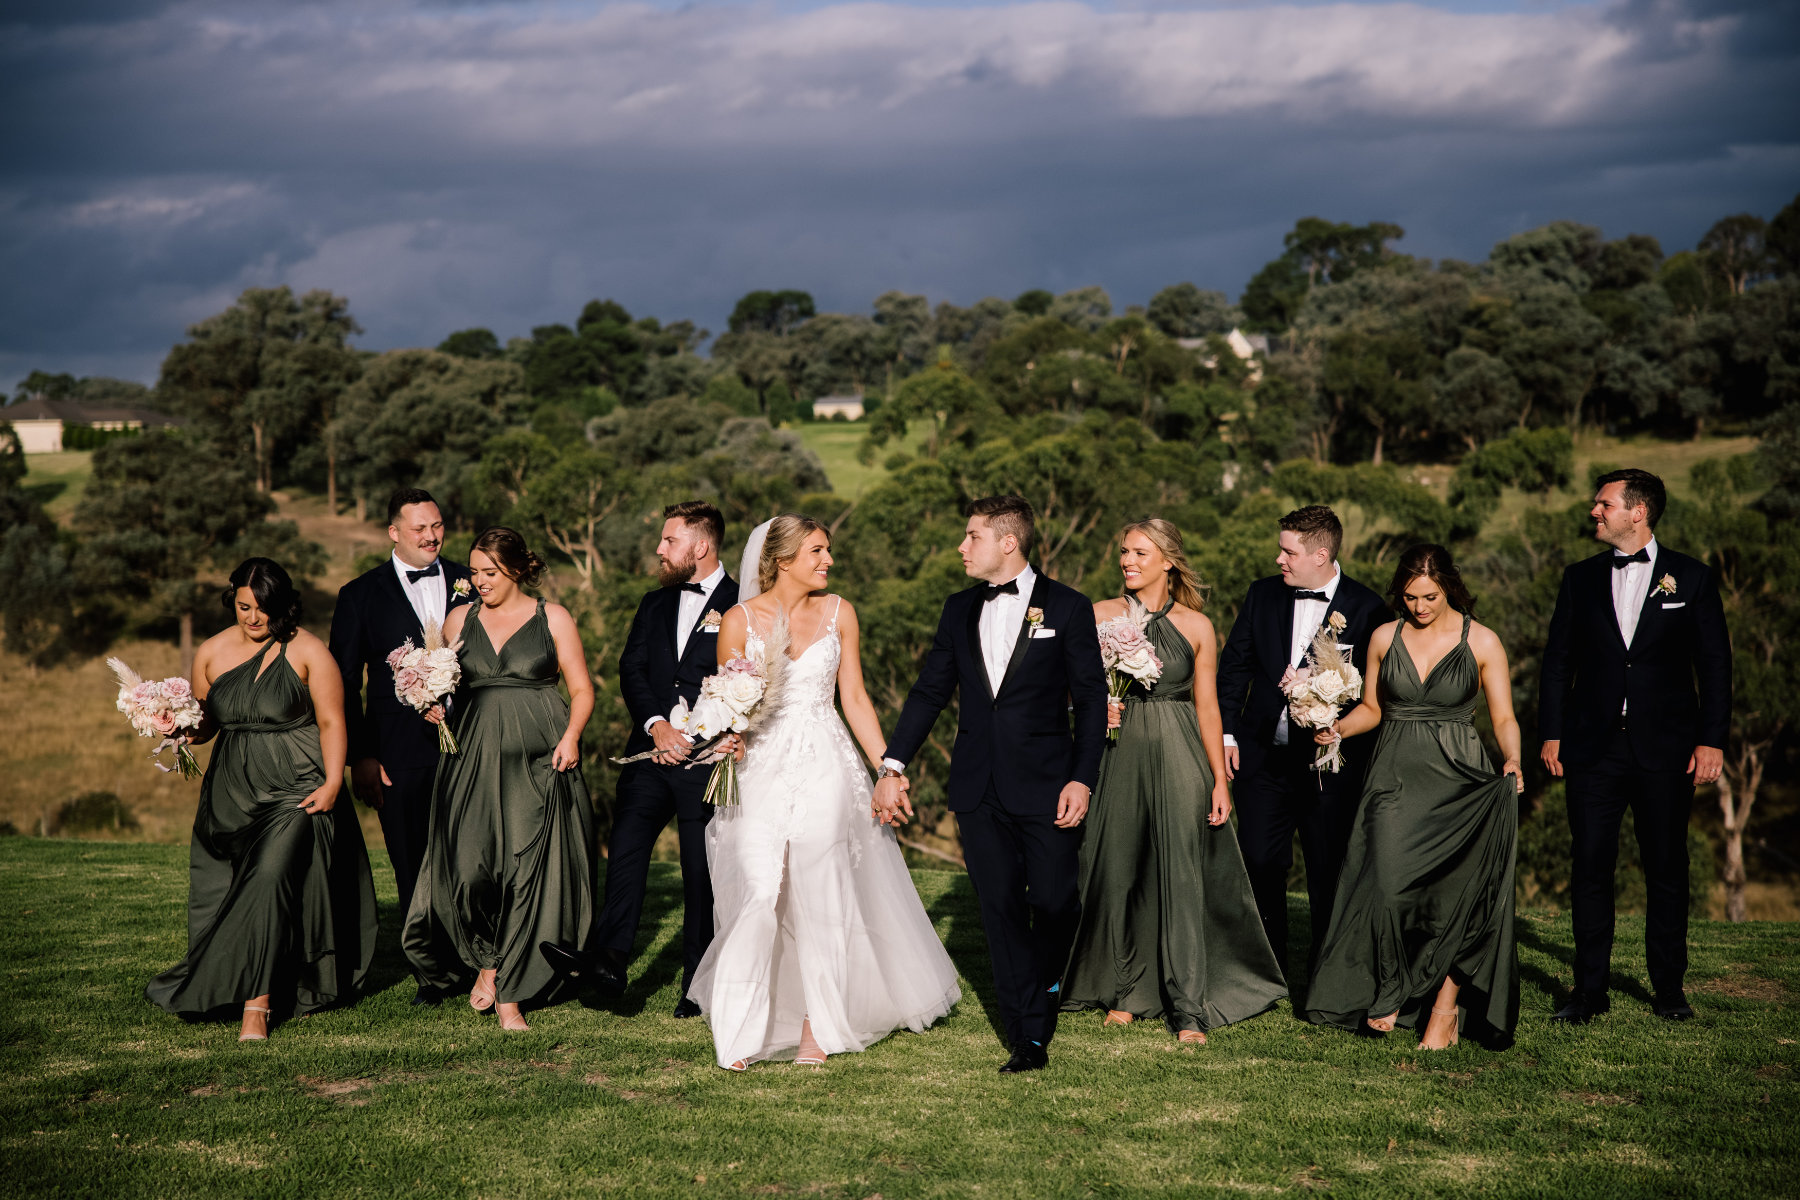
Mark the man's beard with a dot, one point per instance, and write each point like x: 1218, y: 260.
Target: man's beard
x: 669, y: 574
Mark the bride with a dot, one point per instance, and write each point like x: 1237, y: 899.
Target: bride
x: 820, y: 943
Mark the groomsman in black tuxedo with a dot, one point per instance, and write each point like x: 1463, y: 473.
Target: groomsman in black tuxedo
x: 393, y: 750
x: 1634, y: 705
x: 672, y: 646
x: 1022, y: 652
x: 1270, y: 761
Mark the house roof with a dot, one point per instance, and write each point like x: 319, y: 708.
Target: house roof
x: 42, y: 408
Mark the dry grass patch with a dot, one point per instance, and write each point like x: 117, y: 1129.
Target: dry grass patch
x: 1602, y: 1099
x: 1739, y: 984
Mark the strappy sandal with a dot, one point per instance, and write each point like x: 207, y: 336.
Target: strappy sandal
x: 1441, y: 1012
x: 1191, y: 1037
x: 809, y: 1055
x: 255, y: 1037
x: 1382, y: 1024
x: 1115, y: 1017
x: 515, y: 1023
x: 739, y: 1065
x: 479, y: 1000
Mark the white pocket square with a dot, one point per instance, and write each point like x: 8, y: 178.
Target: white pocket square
x: 1043, y: 633
x: 1677, y: 604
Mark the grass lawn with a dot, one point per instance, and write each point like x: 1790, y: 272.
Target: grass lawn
x: 836, y: 443
x: 110, y: 1097
x: 56, y: 480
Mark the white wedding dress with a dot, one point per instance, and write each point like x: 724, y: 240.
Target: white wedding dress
x: 814, y: 914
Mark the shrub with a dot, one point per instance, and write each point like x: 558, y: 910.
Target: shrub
x: 94, y: 812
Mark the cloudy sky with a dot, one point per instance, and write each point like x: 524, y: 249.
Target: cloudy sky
x: 449, y: 164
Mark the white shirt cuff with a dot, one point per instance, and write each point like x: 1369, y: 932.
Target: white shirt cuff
x: 894, y: 765
x: 1231, y: 740
x: 651, y: 723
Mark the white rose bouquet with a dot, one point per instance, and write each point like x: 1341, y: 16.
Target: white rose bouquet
x: 1127, y: 655
x: 164, y: 708
x: 1317, y: 692
x: 424, y: 675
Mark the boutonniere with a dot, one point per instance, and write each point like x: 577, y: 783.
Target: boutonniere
x: 1337, y: 622
x: 712, y: 620
x: 460, y: 589
x: 1034, y: 617
x: 1665, y: 586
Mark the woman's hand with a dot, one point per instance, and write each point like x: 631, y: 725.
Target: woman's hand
x: 567, y: 754
x: 1221, y: 805
x: 321, y: 801
x: 1511, y: 767
x: 435, y: 714
x: 733, y: 745
x: 1115, y: 711
x: 1328, y: 735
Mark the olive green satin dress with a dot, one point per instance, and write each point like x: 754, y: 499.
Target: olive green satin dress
x: 1169, y: 926
x: 1427, y: 886
x: 280, y: 902
x: 509, y: 861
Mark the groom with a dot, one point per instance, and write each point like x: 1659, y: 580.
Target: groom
x: 672, y: 646
x: 1269, y: 761
x: 1021, y: 652
x: 393, y: 750
x: 1634, y: 706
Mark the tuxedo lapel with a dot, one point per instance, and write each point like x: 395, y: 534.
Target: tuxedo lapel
x: 975, y: 611
x: 1664, y: 565
x: 396, y: 596
x: 699, y: 621
x: 1282, y: 636
x: 1036, y: 600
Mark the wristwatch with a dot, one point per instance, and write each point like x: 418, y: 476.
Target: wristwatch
x: 888, y: 772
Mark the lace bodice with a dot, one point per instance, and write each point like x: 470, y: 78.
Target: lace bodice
x: 811, y: 685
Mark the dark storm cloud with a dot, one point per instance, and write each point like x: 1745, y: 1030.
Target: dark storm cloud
x: 450, y: 165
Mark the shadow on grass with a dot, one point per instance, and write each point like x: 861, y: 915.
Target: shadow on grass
x: 956, y: 914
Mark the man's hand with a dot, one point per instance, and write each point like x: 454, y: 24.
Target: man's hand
x: 1552, y: 756
x: 672, y: 745
x: 890, y: 801
x: 367, y: 778
x: 1705, y: 764
x: 1231, y: 762
x: 1071, y: 806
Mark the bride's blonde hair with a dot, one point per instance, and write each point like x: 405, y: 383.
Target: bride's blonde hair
x: 782, y: 544
x: 1184, y: 581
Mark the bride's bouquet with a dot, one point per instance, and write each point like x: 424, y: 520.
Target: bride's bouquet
x: 424, y: 675
x: 1127, y: 655
x: 164, y: 708
x: 1318, y: 690
x: 735, y: 700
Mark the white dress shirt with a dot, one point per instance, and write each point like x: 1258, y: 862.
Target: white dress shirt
x: 999, y: 628
x: 427, y: 596
x: 1630, y: 585
x: 687, y: 616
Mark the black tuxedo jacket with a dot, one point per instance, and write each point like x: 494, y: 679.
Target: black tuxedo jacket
x: 1257, y: 653
x: 372, y: 617
x: 651, y: 676
x: 1019, y: 738
x: 1675, y: 677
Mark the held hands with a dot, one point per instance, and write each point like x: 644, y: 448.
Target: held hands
x: 672, y: 746
x: 890, y: 805
x: 321, y: 801
x: 1072, y: 805
x: 567, y: 754
x: 1221, y: 805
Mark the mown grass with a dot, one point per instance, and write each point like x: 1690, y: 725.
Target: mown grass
x: 110, y: 1097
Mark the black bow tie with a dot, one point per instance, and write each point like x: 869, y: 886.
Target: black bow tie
x: 427, y: 573
x: 693, y: 587
x: 1300, y: 595
x: 1620, y: 560
x: 1010, y: 588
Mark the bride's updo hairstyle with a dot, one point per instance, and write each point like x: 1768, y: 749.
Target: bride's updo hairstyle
x: 782, y: 544
x: 1433, y: 563
x: 506, y: 547
x: 274, y: 592
x: 1184, y: 581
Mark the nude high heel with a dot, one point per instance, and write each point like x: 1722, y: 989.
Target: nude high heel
x: 1441, y: 1012
x: 256, y: 1037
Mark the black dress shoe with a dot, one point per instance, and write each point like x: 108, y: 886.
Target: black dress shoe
x: 1582, y: 1007
x: 687, y: 1008
x: 1026, y: 1056
x: 598, y: 969
x: 1673, y: 1006
x: 426, y: 998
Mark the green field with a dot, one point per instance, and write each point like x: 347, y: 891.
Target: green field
x: 836, y: 444
x: 110, y: 1097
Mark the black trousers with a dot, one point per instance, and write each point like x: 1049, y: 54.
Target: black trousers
x: 1275, y: 793
x: 1660, y: 801
x: 648, y: 796
x: 405, y: 823
x: 1025, y: 874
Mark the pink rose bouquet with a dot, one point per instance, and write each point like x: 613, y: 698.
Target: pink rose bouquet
x: 161, y: 708
x: 424, y: 675
x: 1127, y: 655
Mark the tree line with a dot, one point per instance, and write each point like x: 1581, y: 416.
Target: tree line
x: 1376, y: 360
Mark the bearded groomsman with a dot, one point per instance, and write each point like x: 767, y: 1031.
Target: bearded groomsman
x: 673, y: 645
x: 1634, y: 705
x: 1270, y: 762
x: 393, y: 750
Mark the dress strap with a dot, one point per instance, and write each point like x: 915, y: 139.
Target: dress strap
x: 831, y: 625
x: 749, y: 619
x: 1468, y: 620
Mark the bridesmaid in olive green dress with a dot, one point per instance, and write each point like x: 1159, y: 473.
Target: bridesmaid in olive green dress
x: 280, y: 901
x: 1168, y: 922
x: 509, y: 861
x: 1423, y: 923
